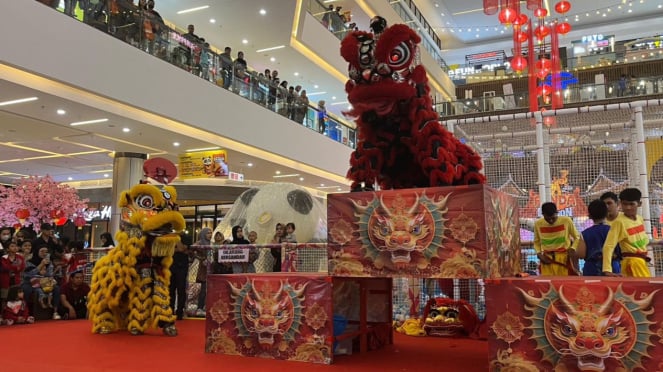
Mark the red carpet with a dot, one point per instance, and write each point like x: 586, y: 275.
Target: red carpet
x: 69, y: 346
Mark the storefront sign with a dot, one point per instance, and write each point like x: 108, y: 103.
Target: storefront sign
x: 204, y: 164
x: 234, y: 255
x: 103, y: 213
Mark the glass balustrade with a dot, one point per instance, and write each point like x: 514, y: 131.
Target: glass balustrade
x: 148, y: 32
x: 573, y: 93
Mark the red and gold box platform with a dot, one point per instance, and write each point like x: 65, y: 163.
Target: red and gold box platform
x: 575, y: 324
x: 442, y: 232
x: 292, y: 316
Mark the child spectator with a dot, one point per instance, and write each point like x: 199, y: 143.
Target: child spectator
x: 16, y: 310
x: 290, y: 233
x: 12, y: 265
x: 26, y: 250
x: 33, y: 267
x: 590, y: 247
x: 43, y: 285
x: 73, y: 297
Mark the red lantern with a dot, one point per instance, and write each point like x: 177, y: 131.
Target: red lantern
x: 22, y: 214
x: 541, y: 74
x: 61, y: 221
x: 541, y: 32
x: 563, y: 28
x: 562, y: 7
x: 543, y: 64
x: 521, y: 20
x: 544, y: 90
x: 518, y: 63
x: 17, y: 226
x: 540, y: 13
x: 79, y: 221
x: 522, y: 37
x: 507, y: 16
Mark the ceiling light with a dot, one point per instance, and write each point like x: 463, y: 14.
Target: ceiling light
x: 316, y: 94
x: 315, y: 86
x: 176, y: 144
x: 21, y: 100
x: 193, y: 9
x: 296, y: 73
x: 339, y: 189
x: 338, y: 103
x: 203, y: 149
x: 278, y: 172
x: 70, y: 178
x: 262, y: 12
x: 212, y: 20
x: 301, y: 178
x: 286, y: 175
x: 272, y: 59
x: 126, y: 130
x: 333, y: 97
x: 61, y: 112
x: 270, y: 48
x: 250, y: 164
x: 322, y: 185
x: 95, y: 121
x: 106, y: 175
x: 630, y: 11
x: 244, y: 41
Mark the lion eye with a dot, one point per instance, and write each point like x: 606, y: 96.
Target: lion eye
x: 610, y: 331
x: 384, y: 230
x: 145, y: 201
x: 567, y: 330
x: 416, y: 229
x: 399, y: 56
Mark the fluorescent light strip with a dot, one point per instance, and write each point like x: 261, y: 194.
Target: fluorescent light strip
x: 327, y: 187
x: 316, y: 94
x: 193, y: 9
x: 95, y: 121
x: 203, y: 149
x: 287, y: 175
x: 22, y: 100
x: 269, y: 49
x: 102, y: 171
x: 339, y: 103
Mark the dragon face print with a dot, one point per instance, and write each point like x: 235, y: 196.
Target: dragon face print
x: 268, y: 312
x: 401, y: 233
x: 591, y: 332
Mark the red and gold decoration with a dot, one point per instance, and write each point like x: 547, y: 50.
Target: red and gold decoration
x: 446, y: 317
x: 287, y: 317
x: 608, y: 324
x: 542, y: 40
x: 431, y: 233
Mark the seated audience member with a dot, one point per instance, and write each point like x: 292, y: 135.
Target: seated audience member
x: 26, y: 249
x: 73, y: 297
x: 16, y: 310
x: 33, y: 267
x: 43, y: 285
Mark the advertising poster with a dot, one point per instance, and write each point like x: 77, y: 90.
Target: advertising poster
x: 203, y: 164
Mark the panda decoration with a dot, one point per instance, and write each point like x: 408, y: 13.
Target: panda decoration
x: 260, y: 208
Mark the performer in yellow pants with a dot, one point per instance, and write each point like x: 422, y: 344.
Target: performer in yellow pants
x: 554, y: 238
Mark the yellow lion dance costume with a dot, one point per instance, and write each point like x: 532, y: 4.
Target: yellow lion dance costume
x: 130, y: 285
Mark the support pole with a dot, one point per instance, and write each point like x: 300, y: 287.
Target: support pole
x: 540, y: 158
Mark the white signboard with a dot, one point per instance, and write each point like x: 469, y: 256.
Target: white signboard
x: 234, y: 255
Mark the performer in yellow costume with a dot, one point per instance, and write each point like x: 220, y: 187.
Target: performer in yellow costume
x: 130, y: 285
x: 628, y: 230
x: 554, y: 238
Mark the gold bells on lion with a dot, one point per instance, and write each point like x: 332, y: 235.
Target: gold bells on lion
x: 130, y: 284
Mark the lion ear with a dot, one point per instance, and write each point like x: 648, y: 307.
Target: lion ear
x: 124, y: 199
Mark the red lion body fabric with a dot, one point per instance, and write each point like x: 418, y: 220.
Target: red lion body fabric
x: 401, y: 142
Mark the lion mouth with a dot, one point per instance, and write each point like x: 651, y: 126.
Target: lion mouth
x: 163, y: 230
x: 590, y: 363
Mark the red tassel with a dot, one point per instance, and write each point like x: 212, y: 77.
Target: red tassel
x: 534, y: 4
x: 490, y: 7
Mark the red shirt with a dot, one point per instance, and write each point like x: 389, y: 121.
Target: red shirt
x: 15, y: 309
x: 74, y: 295
x: 11, y: 269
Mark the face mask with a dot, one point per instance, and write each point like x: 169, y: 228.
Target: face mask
x: 5, y: 237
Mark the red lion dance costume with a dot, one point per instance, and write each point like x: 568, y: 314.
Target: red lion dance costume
x: 401, y: 142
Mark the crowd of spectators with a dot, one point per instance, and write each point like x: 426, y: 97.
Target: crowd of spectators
x: 40, y: 276
x: 142, y: 26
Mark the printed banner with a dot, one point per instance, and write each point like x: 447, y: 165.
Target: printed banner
x: 204, y: 164
x: 443, y: 232
x: 234, y: 255
x: 570, y: 324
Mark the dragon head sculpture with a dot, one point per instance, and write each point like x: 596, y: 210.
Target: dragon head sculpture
x: 589, y: 332
x: 150, y: 213
x: 270, y: 313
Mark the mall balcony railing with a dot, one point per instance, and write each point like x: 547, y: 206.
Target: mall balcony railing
x: 408, y: 13
x: 573, y: 93
x: 140, y: 28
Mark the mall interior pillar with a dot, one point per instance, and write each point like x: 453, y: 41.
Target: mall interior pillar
x: 127, y: 172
